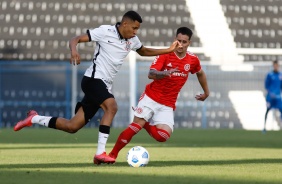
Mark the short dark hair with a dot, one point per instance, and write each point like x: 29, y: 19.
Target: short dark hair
x: 185, y: 31
x: 133, y: 16
x: 275, y: 62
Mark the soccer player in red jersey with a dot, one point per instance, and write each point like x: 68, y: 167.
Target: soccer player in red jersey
x: 154, y: 111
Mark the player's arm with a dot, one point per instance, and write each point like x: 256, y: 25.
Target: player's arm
x: 75, y: 57
x: 155, y: 74
x: 267, y: 83
x: 144, y: 51
x: 280, y: 84
x: 202, y: 78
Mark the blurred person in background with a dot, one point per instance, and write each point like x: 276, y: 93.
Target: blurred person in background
x: 273, y: 86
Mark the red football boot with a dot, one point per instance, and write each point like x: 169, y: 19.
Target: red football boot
x: 112, y: 155
x: 103, y: 158
x: 26, y: 122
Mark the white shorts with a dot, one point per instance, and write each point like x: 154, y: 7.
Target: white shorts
x: 154, y: 112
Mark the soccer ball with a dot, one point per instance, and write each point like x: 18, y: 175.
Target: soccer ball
x: 138, y: 156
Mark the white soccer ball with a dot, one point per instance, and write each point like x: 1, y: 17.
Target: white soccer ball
x: 138, y: 156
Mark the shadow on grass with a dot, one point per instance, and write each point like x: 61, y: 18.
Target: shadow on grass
x: 100, y: 177
x: 152, y: 164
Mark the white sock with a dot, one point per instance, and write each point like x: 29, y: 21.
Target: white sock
x: 102, y: 140
x: 41, y: 120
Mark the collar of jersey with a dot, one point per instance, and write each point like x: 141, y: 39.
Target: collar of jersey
x: 119, y: 35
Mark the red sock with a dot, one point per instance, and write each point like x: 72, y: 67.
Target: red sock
x: 158, y: 134
x: 124, y: 138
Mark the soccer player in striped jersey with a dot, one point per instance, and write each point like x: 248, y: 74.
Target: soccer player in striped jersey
x: 169, y: 73
x: 113, y: 43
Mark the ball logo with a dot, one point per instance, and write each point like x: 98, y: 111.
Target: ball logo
x: 145, y: 155
x: 134, y: 159
x: 187, y: 67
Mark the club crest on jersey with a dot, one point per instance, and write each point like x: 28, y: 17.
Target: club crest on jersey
x: 187, y: 67
x: 139, y: 110
x: 127, y: 46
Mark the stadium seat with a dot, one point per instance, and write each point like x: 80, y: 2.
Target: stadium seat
x: 42, y: 29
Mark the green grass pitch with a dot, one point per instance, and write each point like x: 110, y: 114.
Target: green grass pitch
x: 42, y: 155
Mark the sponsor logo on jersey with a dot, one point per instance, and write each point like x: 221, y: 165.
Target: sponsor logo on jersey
x: 180, y: 74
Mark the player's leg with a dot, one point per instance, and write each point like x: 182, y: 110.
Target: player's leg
x: 98, y: 94
x: 110, y: 108
x: 162, y: 123
x: 265, y: 118
x: 70, y: 126
x: 142, y: 113
x: 160, y: 132
x: 75, y: 123
x: 270, y: 103
x: 126, y: 136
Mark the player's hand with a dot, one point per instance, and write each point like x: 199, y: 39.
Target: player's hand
x: 174, y: 45
x: 272, y: 95
x: 75, y: 58
x: 170, y: 71
x: 201, y: 97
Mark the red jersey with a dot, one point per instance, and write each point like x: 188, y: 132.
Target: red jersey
x: 165, y: 91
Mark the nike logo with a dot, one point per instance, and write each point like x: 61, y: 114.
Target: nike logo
x: 110, y: 41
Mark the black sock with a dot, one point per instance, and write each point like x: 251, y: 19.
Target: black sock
x: 52, y: 122
x: 104, y: 129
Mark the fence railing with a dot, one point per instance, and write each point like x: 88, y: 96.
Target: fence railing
x: 47, y: 87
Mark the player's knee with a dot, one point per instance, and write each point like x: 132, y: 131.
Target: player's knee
x: 72, y: 129
x: 114, y: 109
x: 111, y: 108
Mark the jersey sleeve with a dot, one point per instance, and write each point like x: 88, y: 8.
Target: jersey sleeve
x: 196, y: 65
x: 158, y: 63
x: 96, y: 34
x: 136, y: 43
x: 280, y: 77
